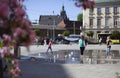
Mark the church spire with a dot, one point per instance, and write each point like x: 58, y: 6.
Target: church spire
x: 63, y: 13
x: 63, y: 8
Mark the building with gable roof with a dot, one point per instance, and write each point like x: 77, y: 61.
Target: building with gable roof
x: 52, y: 25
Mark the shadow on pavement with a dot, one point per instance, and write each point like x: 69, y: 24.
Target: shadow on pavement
x: 34, y: 69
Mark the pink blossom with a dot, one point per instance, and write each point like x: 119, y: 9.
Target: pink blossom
x: 19, y: 12
x: 85, y: 3
x: 18, y: 19
x: 5, y: 24
x: 26, y: 23
x: 91, y: 0
x: 15, y: 71
x: 3, y: 51
x: 4, y: 10
x: 31, y: 39
x: 7, y: 39
x: 16, y: 29
x: 12, y: 55
x: 19, y: 33
x: 32, y: 36
x: 15, y: 62
x: 14, y: 3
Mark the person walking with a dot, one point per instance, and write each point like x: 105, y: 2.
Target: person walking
x: 108, y: 42
x: 49, y: 46
x: 82, y: 47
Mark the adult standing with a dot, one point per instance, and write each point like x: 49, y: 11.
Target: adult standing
x: 82, y: 46
x: 108, y: 42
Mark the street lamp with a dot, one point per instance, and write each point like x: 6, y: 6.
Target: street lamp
x: 74, y: 27
x: 53, y: 29
x: 82, y: 29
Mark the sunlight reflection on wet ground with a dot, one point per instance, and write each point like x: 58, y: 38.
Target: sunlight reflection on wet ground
x: 73, y: 57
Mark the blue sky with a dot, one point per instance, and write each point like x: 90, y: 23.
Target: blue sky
x: 35, y: 8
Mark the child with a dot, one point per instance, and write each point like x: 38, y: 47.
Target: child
x: 50, y: 46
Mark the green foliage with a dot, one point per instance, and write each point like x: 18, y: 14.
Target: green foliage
x: 90, y: 33
x: 66, y: 33
x: 80, y: 17
x: 115, y: 34
x: 1, y: 44
x: 37, y: 32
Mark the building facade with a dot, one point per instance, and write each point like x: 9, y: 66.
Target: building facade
x: 52, y: 25
x: 105, y: 17
x: 47, y: 24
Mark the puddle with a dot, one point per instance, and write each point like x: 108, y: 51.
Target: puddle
x: 73, y: 57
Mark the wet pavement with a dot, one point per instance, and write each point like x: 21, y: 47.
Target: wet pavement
x: 73, y: 57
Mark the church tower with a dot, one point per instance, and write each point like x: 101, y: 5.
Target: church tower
x: 63, y: 14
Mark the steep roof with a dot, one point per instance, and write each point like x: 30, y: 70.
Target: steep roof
x: 49, y: 19
x: 70, y: 24
x: 61, y: 24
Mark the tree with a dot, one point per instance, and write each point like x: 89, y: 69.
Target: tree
x: 80, y: 17
x: 85, y: 3
x: 16, y: 31
x: 90, y: 33
x: 115, y: 34
x: 37, y: 32
x: 66, y: 33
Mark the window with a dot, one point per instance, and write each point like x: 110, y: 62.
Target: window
x: 98, y: 22
x: 90, y: 11
x: 91, y: 22
x: 107, y: 10
x: 98, y: 10
x: 115, y: 21
x: 107, y: 21
x: 115, y: 9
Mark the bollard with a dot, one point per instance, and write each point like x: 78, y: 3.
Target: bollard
x: 17, y: 52
x: 1, y: 69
